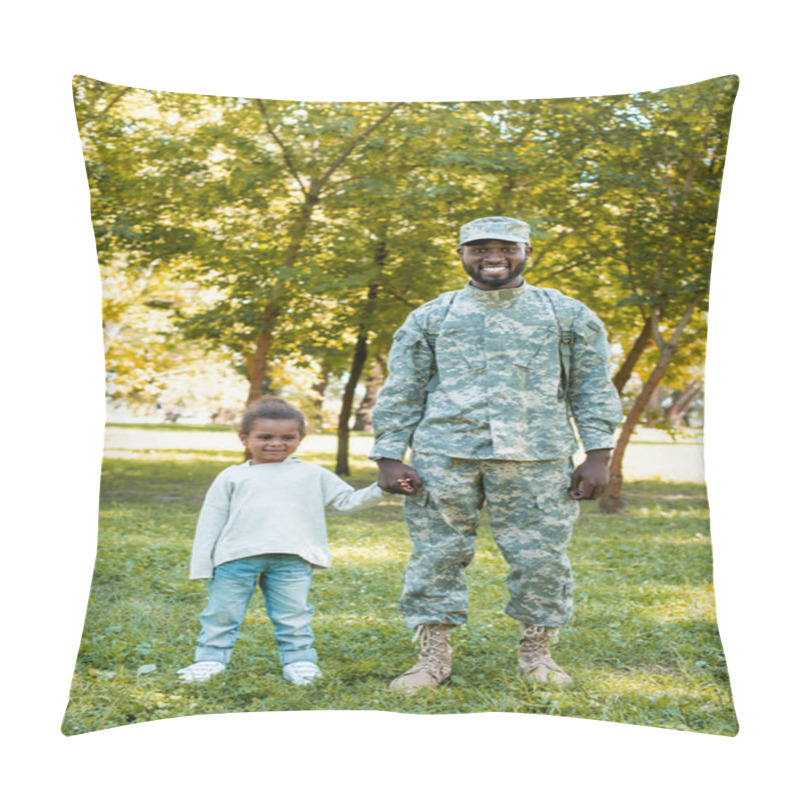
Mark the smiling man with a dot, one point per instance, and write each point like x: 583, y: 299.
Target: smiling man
x: 484, y: 385
x: 494, y: 264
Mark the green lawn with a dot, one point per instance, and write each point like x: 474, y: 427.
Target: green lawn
x: 643, y: 646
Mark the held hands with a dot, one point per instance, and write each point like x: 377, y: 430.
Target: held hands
x: 591, y: 477
x: 588, y: 480
x: 396, y: 477
x: 406, y: 485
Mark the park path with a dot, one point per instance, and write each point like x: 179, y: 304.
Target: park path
x: 652, y: 455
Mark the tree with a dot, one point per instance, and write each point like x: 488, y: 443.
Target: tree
x: 660, y: 190
x: 297, y: 236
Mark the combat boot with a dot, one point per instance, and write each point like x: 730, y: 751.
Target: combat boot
x: 535, y: 661
x: 435, y: 656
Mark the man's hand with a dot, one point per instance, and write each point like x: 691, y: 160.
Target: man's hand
x: 591, y: 477
x: 396, y: 477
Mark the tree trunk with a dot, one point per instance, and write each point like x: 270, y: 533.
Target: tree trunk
x: 343, y: 430
x: 257, y: 366
x: 257, y: 363
x: 373, y: 384
x: 611, y: 499
x: 356, y: 368
x: 653, y: 408
x: 682, y: 403
x: 639, y: 346
x: 312, y: 195
x: 319, y: 389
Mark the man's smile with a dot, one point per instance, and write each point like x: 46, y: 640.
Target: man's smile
x: 494, y: 263
x: 494, y: 270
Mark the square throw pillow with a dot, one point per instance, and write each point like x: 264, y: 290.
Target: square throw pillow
x: 405, y: 407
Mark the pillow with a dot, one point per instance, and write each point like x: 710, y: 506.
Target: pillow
x: 255, y: 248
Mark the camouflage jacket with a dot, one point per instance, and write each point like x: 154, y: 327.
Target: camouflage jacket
x: 481, y: 374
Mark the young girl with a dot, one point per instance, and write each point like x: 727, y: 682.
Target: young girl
x: 263, y: 522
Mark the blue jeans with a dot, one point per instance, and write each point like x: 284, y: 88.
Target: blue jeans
x: 284, y: 581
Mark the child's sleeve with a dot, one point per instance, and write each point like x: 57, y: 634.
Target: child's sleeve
x: 340, y: 496
x: 212, y: 519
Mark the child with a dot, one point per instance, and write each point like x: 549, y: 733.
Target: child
x: 264, y: 522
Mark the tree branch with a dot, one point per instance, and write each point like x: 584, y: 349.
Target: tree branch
x: 655, y: 318
x: 687, y: 183
x: 667, y: 166
x: 353, y: 144
x: 672, y: 344
x: 399, y: 297
x: 696, y: 300
x: 283, y: 148
x: 639, y: 346
x: 114, y: 100
x: 567, y: 268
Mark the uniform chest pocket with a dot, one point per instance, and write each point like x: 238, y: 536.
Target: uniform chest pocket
x: 537, y: 347
x: 460, y: 349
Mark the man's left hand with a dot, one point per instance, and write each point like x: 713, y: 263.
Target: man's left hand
x: 591, y: 477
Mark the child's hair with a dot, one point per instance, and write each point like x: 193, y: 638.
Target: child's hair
x: 271, y: 408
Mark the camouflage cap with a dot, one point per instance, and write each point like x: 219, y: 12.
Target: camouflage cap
x: 506, y: 229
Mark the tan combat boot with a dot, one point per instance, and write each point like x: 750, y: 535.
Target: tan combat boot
x: 435, y: 655
x: 535, y: 661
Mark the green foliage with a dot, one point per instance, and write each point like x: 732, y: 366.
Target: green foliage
x: 643, y: 646
x: 300, y: 228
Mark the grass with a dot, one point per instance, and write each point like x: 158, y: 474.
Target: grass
x: 643, y: 646
x: 220, y: 427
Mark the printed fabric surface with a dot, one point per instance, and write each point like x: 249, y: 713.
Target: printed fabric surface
x: 470, y: 339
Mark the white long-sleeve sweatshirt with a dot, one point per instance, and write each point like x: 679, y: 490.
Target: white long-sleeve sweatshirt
x: 252, y: 509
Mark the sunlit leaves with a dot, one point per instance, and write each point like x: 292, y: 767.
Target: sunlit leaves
x: 289, y: 218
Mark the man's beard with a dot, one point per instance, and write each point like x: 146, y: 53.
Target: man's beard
x: 499, y: 280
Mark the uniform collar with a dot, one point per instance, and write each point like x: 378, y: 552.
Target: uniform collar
x: 498, y: 296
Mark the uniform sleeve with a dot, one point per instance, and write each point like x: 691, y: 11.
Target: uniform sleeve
x: 340, y: 496
x: 212, y: 519
x: 401, y: 401
x: 593, y: 398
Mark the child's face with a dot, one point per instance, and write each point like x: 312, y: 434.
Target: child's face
x: 272, y: 440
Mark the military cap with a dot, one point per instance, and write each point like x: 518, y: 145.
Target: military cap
x: 506, y: 229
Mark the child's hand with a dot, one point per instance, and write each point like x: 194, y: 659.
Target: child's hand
x: 396, y: 477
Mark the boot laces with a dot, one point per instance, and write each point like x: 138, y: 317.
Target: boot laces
x: 434, y: 650
x: 534, y: 646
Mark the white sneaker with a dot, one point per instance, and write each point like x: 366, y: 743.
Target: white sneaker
x: 200, y: 671
x: 301, y: 673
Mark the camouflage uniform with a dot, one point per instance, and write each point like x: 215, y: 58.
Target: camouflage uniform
x: 480, y: 388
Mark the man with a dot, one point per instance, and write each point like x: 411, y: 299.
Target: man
x: 483, y: 385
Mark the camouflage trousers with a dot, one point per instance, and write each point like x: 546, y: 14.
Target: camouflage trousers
x: 531, y: 517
